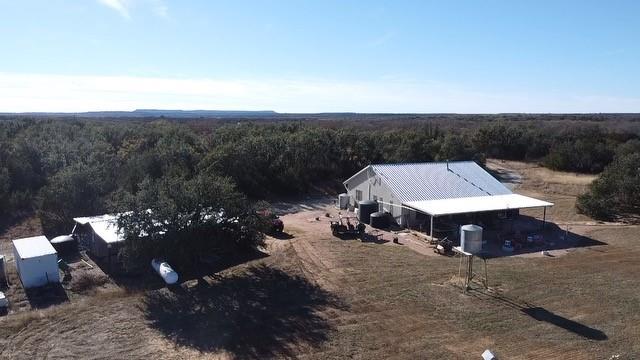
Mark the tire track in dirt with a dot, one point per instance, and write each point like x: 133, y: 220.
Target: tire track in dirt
x: 318, y: 268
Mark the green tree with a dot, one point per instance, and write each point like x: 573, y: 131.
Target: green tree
x: 74, y: 191
x: 616, y: 192
x: 186, y: 222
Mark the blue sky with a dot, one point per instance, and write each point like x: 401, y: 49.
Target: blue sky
x: 313, y: 56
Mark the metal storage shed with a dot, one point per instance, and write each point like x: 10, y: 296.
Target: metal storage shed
x: 99, y: 234
x: 36, y: 261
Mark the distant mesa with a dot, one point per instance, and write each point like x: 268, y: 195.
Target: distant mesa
x: 142, y: 113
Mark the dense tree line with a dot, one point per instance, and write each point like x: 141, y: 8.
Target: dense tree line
x: 616, y: 192
x: 65, y: 168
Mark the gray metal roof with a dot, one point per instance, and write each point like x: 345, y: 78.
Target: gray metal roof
x: 439, y: 180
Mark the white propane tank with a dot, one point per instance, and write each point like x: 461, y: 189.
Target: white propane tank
x: 165, y: 271
x: 61, y: 239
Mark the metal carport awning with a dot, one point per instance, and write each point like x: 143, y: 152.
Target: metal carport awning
x: 475, y: 204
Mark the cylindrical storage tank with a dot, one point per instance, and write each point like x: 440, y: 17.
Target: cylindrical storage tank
x: 64, y: 244
x: 379, y: 220
x: 165, y: 271
x: 343, y: 201
x: 367, y: 207
x: 471, y: 238
x: 3, y: 274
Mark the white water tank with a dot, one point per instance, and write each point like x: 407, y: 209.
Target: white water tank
x: 471, y: 238
x: 343, y: 201
x: 165, y: 271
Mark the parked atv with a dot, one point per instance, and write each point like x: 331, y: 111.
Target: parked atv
x: 344, y: 228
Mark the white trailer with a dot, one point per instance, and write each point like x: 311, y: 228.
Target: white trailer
x: 36, y: 261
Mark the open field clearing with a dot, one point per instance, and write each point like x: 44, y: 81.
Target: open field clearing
x: 318, y: 297
x: 561, y: 188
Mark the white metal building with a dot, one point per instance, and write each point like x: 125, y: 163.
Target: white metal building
x: 99, y: 234
x: 36, y: 261
x: 434, y: 189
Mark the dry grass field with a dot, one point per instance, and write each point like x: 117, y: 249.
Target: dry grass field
x: 318, y: 297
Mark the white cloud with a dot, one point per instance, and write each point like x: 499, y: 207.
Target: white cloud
x: 124, y: 7
x: 160, y: 8
x: 70, y: 93
x: 121, y: 6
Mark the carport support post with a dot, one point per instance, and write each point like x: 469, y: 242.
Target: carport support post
x: 431, y: 228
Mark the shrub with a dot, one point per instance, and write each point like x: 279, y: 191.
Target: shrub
x: 616, y: 192
x: 87, y: 282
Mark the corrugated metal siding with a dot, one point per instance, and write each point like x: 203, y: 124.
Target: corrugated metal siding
x: 429, y: 181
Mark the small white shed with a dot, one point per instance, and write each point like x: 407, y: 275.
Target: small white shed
x: 36, y: 261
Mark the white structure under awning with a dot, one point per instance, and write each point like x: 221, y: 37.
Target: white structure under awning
x: 105, y: 226
x: 476, y: 204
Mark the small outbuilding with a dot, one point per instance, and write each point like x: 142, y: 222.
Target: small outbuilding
x: 36, y: 261
x: 100, y: 235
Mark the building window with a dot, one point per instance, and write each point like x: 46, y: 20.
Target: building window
x: 359, y: 195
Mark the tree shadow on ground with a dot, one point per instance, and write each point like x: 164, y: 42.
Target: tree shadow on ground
x: 348, y: 236
x: 283, y: 235
x: 147, y: 279
x: 542, y: 314
x: 374, y: 238
x: 261, y: 313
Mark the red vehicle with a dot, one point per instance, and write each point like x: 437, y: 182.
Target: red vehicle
x: 276, y: 224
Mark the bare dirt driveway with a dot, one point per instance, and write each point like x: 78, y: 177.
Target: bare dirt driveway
x: 319, y: 297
